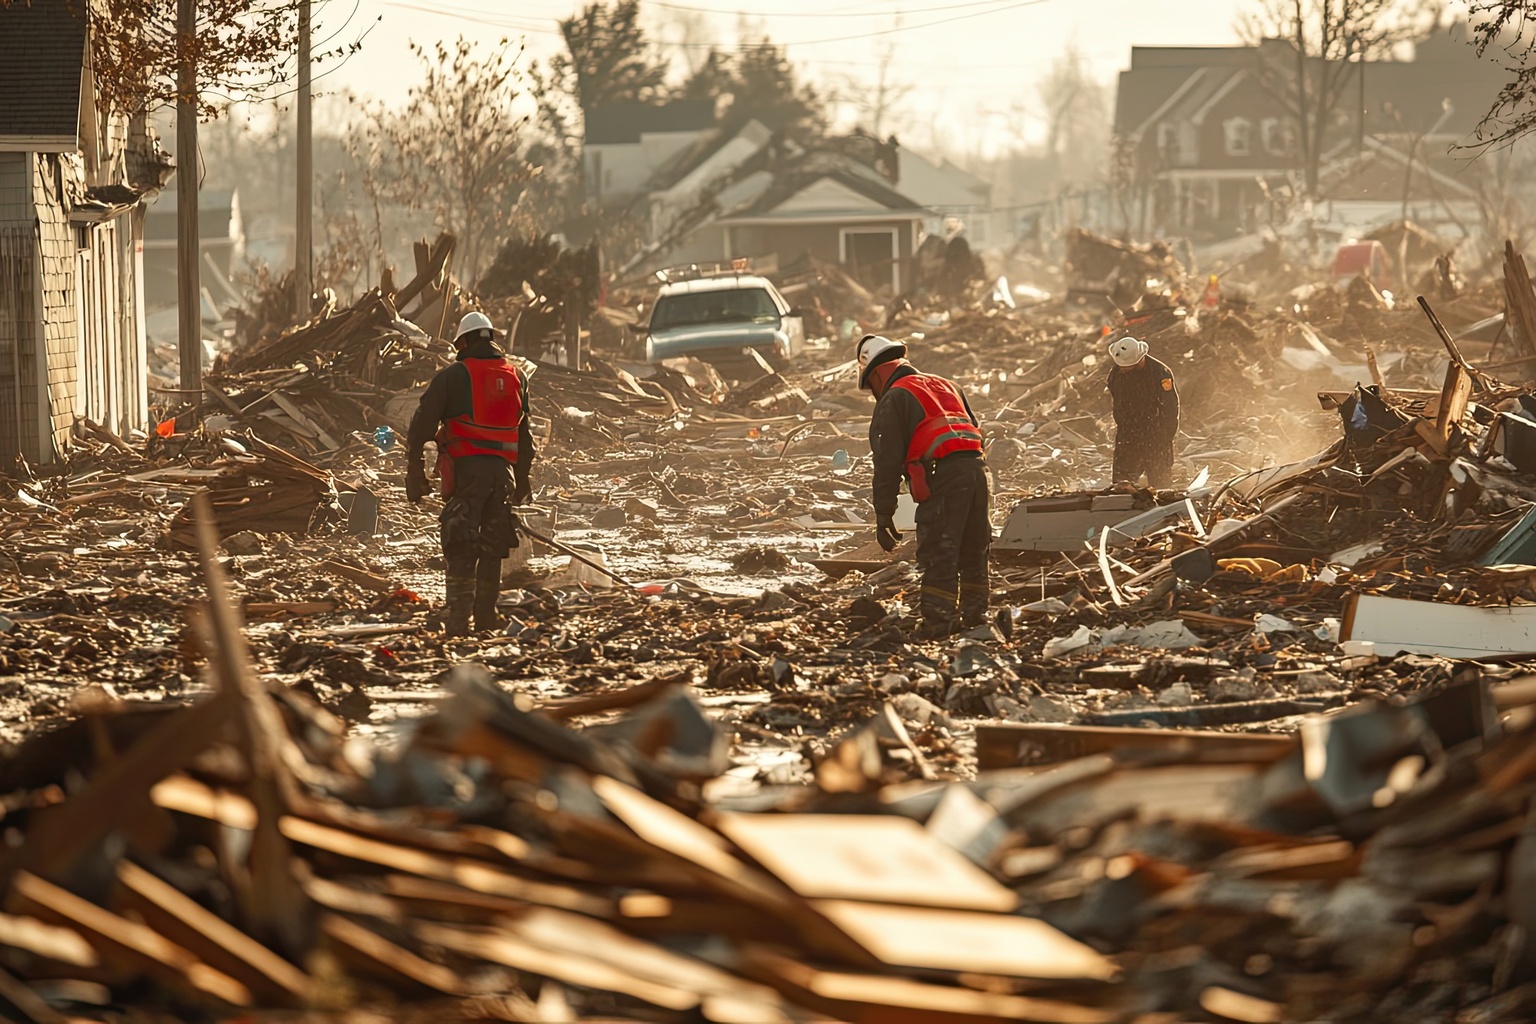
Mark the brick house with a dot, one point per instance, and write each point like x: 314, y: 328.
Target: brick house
x: 1212, y: 145
x: 71, y: 239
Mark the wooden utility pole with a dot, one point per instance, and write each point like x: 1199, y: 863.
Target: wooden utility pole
x: 572, y: 316
x: 304, y: 226
x: 189, y: 299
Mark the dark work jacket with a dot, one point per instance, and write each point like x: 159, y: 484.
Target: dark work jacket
x: 896, y: 418
x: 1146, y: 403
x: 448, y: 396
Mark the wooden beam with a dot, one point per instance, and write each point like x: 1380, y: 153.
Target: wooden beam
x: 130, y: 942
x: 1015, y: 745
x: 211, y: 938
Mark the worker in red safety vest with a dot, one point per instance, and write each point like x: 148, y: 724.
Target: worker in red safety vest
x: 923, y: 429
x: 477, y: 411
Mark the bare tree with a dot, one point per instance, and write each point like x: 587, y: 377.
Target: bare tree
x: 1077, y: 118
x: 874, y: 102
x: 1327, y: 41
x: 1124, y: 179
x: 1506, y: 26
x: 689, y: 33
x: 456, y: 150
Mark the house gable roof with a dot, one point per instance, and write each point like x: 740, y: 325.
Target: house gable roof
x: 42, y: 55
x: 827, y: 192
x: 939, y: 184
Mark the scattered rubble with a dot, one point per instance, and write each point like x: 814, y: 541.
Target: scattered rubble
x: 1210, y: 759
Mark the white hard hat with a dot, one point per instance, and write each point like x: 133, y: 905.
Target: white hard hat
x: 1127, y: 351
x: 873, y: 350
x: 473, y: 322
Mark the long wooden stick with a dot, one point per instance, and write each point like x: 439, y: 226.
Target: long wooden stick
x: 583, y: 559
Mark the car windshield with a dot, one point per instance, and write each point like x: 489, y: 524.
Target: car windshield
x: 736, y: 305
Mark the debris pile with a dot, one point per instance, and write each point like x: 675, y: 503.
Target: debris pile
x: 236, y: 854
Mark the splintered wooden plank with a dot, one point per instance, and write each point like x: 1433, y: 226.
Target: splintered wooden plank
x: 572, y: 934
x: 1015, y: 744
x: 438, y: 898
x: 509, y: 950
x: 587, y: 953
x: 47, y: 941
x: 280, y: 610
x: 58, y: 839
x: 882, y: 858
x: 137, y: 945
x: 1230, y: 1005
x: 189, y: 796
x: 211, y: 938
x: 314, y: 429
x: 882, y: 999
x: 272, y: 899
x: 671, y: 830
x: 706, y: 853
x: 385, y: 960
x: 362, y: 577
x: 961, y: 940
x: 32, y: 1006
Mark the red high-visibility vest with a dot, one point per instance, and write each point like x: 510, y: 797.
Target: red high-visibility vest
x: 497, y: 409
x: 946, y: 428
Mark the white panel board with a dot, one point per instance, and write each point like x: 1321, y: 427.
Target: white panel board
x: 1399, y: 626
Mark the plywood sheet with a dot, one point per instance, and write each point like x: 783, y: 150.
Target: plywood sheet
x: 880, y: 858
x: 929, y: 938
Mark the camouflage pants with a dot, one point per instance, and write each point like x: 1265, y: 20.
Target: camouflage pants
x: 477, y: 524
x: 954, y: 538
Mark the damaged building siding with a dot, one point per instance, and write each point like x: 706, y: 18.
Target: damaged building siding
x: 71, y: 342
x: 56, y: 263
x: 830, y: 243
x: 19, y: 426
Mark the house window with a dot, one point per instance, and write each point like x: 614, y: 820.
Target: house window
x: 1167, y: 139
x: 82, y: 237
x: 1238, y: 132
x: 1275, y: 135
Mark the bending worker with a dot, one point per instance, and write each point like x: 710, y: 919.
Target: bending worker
x: 1146, y: 405
x: 484, y: 442
x: 923, y: 429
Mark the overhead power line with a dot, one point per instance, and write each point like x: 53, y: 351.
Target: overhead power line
x: 509, y: 24
x: 819, y: 14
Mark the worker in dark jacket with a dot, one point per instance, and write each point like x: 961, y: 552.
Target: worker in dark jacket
x: 923, y: 429
x: 484, y: 444
x: 1146, y: 405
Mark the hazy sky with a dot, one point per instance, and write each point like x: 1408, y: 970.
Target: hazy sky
x: 972, y: 60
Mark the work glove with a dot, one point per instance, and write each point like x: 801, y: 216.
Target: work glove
x: 522, y: 490
x: 885, y: 532
x: 416, y: 485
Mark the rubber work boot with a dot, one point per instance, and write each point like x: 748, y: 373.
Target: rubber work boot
x: 973, y: 604
x: 936, y: 629
x: 487, y: 590
x: 460, y: 591
x: 936, y: 605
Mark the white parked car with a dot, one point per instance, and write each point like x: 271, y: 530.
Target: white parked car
x: 717, y: 317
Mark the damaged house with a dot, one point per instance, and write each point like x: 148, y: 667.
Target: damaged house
x: 72, y: 176
x: 741, y: 191
x: 1214, y: 140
